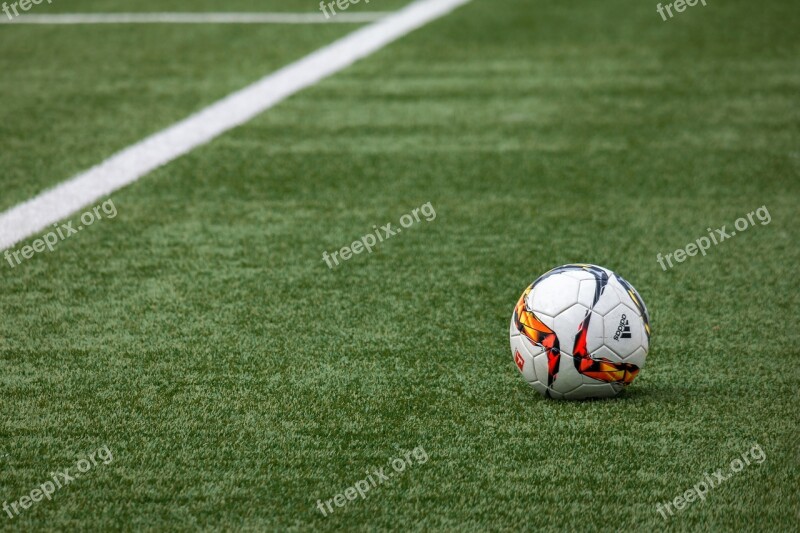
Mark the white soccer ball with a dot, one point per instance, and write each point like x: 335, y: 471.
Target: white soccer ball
x: 580, y: 331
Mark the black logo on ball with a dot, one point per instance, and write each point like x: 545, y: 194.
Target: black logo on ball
x: 624, y: 329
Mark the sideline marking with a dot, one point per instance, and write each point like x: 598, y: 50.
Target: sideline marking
x: 130, y: 164
x: 195, y: 18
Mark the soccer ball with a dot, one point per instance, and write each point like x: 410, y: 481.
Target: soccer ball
x: 578, y: 332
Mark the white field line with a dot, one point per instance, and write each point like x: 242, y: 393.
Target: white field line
x: 127, y: 166
x: 194, y: 18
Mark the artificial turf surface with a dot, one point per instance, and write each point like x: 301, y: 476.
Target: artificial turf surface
x: 237, y: 380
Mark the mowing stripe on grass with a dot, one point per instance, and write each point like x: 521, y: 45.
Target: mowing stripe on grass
x: 195, y: 18
x: 127, y: 166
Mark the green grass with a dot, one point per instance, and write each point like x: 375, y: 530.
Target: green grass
x: 237, y: 379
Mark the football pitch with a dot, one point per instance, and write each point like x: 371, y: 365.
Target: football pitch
x: 259, y: 332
